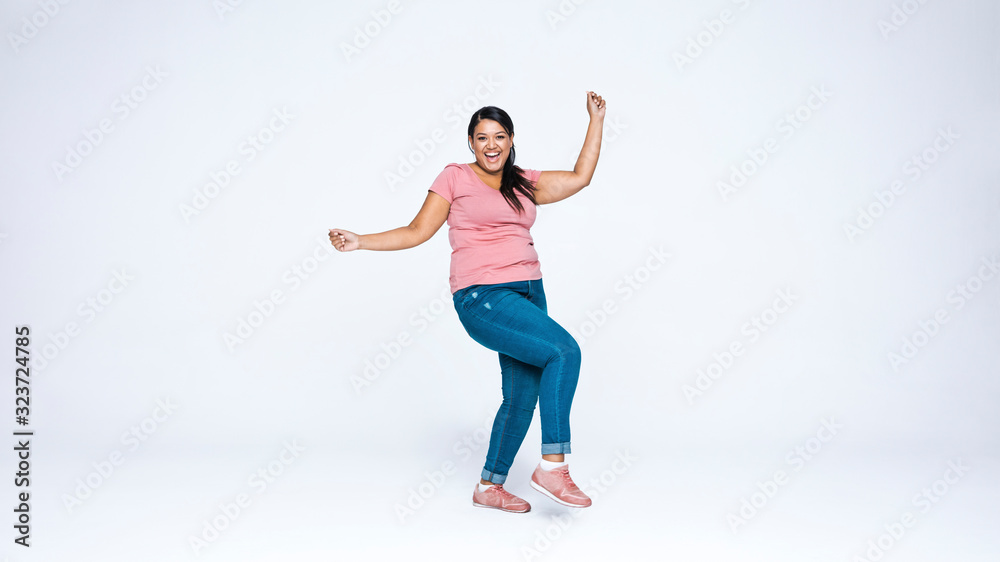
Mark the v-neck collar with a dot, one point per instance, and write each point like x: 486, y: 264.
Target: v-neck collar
x: 479, y: 179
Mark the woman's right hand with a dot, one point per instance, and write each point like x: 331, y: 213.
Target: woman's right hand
x: 344, y: 240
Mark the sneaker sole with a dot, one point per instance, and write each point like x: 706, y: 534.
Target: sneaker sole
x: 538, y: 487
x: 500, y: 508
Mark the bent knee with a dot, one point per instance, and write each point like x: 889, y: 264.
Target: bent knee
x: 568, y: 350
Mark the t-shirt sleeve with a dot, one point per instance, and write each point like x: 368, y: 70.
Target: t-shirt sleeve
x: 532, y: 175
x: 444, y: 184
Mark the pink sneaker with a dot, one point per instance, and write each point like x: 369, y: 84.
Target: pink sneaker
x: 498, y: 498
x: 557, y: 485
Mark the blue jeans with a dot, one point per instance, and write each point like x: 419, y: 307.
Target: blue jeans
x: 539, y: 363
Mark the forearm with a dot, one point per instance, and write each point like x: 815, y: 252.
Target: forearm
x: 396, y: 239
x: 587, y: 162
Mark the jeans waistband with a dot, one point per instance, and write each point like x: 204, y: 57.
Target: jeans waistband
x: 527, y: 287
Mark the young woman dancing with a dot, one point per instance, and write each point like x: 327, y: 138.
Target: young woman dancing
x: 496, y: 284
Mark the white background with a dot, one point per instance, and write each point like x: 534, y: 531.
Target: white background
x: 370, y: 443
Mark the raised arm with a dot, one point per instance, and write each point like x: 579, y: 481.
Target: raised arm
x: 555, y: 186
x: 429, y: 219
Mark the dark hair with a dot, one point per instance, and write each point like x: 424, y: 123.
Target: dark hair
x: 511, y: 179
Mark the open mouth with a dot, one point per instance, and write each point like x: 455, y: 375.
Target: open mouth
x: 492, y: 156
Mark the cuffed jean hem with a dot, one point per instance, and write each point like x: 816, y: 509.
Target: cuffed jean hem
x: 554, y: 448
x: 494, y: 477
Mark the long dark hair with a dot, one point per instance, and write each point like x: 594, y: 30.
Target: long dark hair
x: 511, y: 179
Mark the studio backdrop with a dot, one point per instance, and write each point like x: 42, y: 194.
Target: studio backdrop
x: 784, y: 279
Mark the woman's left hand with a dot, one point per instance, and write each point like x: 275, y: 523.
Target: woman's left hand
x: 595, y: 105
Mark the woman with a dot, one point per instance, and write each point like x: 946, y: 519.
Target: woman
x: 496, y: 285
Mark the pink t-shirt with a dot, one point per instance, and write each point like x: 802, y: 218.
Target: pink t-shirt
x: 490, y: 241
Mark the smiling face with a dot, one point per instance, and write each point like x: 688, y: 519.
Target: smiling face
x: 491, y: 144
